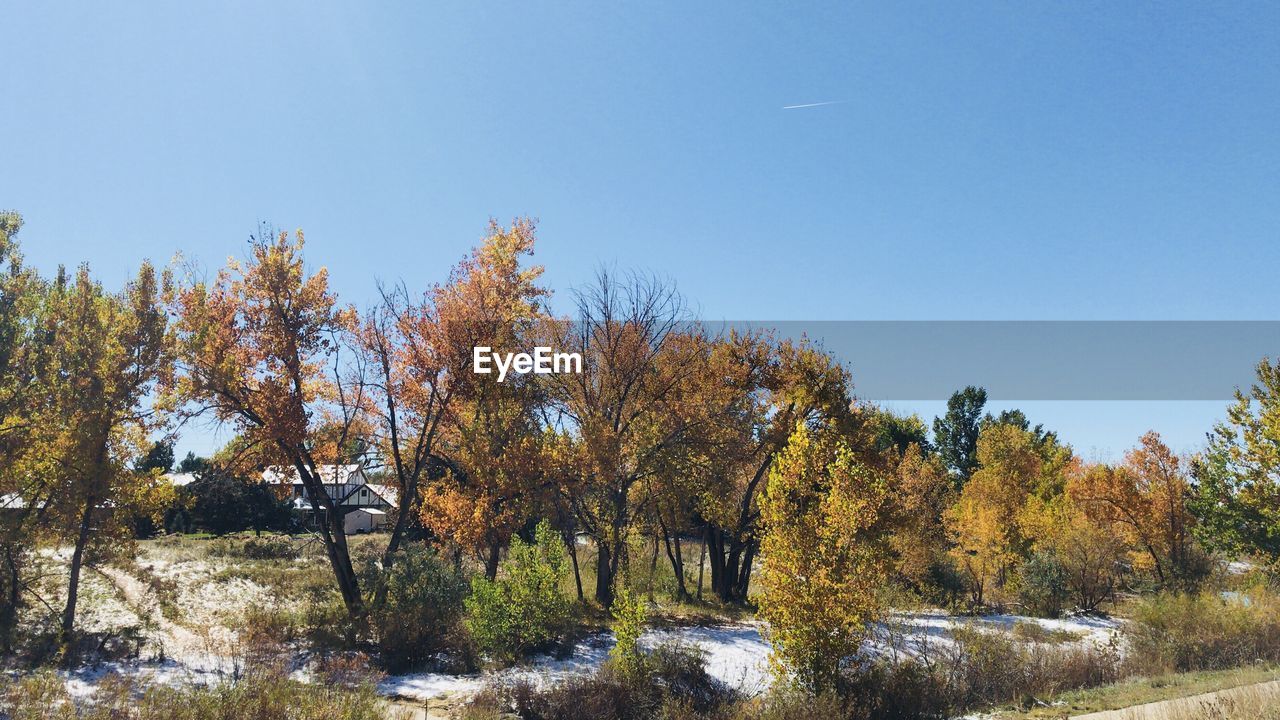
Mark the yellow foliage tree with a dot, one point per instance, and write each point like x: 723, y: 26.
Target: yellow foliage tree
x: 824, y: 554
x: 492, y: 438
x: 920, y: 495
x: 991, y: 523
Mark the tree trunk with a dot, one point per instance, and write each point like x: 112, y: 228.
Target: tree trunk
x: 12, y: 595
x: 702, y: 559
x: 491, y: 562
x: 340, y: 559
x: 729, y: 573
x: 744, y: 576
x: 715, y: 556
x: 571, y: 542
x: 677, y: 562
x: 332, y: 533
x: 604, y: 577
x: 653, y: 566
x: 77, y: 560
x: 393, y: 544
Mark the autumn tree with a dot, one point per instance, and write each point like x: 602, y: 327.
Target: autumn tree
x: 1237, y: 491
x: 773, y: 385
x: 25, y: 415
x: 493, y: 440
x: 620, y: 405
x: 956, y: 433
x: 259, y: 348
x: 1017, y: 476
x: 1092, y: 557
x: 920, y: 492
x: 1145, y: 500
x: 111, y: 351
x: 824, y: 554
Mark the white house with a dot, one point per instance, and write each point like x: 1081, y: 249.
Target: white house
x: 364, y: 504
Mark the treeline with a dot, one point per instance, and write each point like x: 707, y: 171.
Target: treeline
x: 750, y: 445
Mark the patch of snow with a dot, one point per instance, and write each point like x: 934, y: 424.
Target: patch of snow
x: 737, y: 655
x: 1239, y: 567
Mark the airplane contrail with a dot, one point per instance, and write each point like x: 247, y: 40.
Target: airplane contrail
x: 817, y: 104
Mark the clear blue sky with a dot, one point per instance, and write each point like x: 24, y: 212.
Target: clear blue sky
x: 1011, y: 160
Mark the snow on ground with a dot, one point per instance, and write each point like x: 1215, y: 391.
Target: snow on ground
x: 910, y: 630
x: 735, y: 654
x: 738, y: 654
x: 200, y: 644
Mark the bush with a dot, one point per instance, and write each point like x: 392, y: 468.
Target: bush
x: 672, y: 684
x: 629, y: 615
x: 523, y: 609
x: 269, y: 547
x: 1182, y: 632
x: 421, y: 604
x: 1042, y: 585
x: 981, y: 669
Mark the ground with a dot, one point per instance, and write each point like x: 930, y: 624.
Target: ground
x: 1162, y: 697
x: 186, y: 601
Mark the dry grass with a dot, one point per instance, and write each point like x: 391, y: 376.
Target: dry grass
x: 1141, y: 691
x: 1252, y: 702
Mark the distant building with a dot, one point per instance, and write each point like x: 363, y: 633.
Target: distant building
x: 364, y: 504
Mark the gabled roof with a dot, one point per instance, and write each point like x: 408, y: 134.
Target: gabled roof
x: 387, y: 492
x: 329, y: 474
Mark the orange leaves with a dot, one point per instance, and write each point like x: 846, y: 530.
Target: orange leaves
x: 490, y: 431
x: 254, y: 344
x: 1144, y: 500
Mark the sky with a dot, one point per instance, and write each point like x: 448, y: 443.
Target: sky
x: 974, y: 161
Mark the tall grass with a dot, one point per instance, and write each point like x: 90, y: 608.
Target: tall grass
x: 1205, y: 631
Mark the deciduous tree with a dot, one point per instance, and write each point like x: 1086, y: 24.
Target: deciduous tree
x: 1145, y: 500
x: 620, y: 405
x: 824, y: 554
x: 111, y: 351
x: 493, y: 446
x: 772, y: 386
x: 1237, y: 493
x: 257, y: 347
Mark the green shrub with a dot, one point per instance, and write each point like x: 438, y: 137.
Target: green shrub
x: 524, y: 609
x: 421, y: 605
x: 629, y: 615
x: 270, y: 548
x: 1042, y: 585
x: 266, y: 547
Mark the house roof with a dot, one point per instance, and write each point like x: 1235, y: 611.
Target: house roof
x: 15, y: 501
x: 180, y: 479
x: 329, y: 474
x: 387, y: 493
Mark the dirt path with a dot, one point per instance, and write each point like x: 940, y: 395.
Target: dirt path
x: 199, y: 652
x: 1249, y: 702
